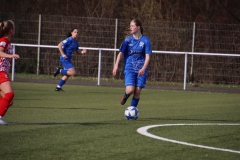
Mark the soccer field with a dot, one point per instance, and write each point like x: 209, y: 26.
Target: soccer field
x: 87, y: 122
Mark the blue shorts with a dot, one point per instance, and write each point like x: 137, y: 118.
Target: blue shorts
x: 132, y: 79
x: 66, y: 63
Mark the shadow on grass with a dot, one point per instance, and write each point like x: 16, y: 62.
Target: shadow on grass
x: 62, y: 108
x: 33, y: 90
x: 25, y: 99
x: 58, y: 123
x: 169, y: 120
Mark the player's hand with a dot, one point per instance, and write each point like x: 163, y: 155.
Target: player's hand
x: 141, y: 72
x: 15, y: 56
x: 84, y: 51
x: 64, y: 56
x: 114, y: 72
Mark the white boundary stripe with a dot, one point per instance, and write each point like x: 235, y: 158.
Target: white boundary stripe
x: 143, y: 131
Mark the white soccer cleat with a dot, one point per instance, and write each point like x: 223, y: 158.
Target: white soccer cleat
x: 2, y: 122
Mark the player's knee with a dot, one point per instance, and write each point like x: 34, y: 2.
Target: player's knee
x: 71, y: 72
x: 130, y: 89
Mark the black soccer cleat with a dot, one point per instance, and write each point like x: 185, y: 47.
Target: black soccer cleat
x: 56, y: 72
x: 59, y: 89
x: 124, y: 99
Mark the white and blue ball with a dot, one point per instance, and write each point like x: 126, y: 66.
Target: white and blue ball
x: 131, y: 113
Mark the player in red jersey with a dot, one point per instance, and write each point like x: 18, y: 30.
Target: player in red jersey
x: 6, y: 54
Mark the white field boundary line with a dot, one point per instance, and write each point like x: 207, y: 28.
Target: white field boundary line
x: 144, y: 131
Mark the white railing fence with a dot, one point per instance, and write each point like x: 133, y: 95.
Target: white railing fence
x: 115, y: 50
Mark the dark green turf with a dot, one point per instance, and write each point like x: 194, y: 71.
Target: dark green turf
x: 87, y: 122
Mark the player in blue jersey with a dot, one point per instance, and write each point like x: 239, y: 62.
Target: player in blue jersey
x: 66, y: 48
x: 136, y: 49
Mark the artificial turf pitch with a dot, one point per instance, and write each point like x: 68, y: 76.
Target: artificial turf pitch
x: 87, y: 122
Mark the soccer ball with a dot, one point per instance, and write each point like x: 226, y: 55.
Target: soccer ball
x: 131, y: 113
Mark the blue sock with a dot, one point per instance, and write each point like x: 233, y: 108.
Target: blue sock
x: 64, y: 72
x: 134, y: 102
x: 61, y: 83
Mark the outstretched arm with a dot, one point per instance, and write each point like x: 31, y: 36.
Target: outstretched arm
x: 5, y: 55
x: 115, y: 69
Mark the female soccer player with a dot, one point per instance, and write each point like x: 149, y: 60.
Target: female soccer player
x: 136, y: 50
x: 66, y: 47
x: 6, y: 53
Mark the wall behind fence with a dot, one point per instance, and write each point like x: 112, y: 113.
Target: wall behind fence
x: 165, y: 36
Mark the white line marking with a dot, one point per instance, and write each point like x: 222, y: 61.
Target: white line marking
x: 143, y: 131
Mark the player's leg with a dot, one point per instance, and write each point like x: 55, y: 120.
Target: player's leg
x: 61, y: 83
x: 6, y: 100
x: 57, y: 71
x: 129, y: 79
x: 68, y: 68
x: 71, y: 71
x: 68, y: 71
x: 2, y: 95
x: 63, y: 80
x: 136, y: 97
x: 128, y: 91
x: 141, y: 83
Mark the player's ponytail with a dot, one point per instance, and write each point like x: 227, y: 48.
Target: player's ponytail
x: 5, y: 27
x: 69, y: 34
x: 1, y: 29
x: 138, y: 23
x: 141, y: 29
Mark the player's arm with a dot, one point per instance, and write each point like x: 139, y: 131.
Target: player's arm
x: 142, y: 70
x: 123, y: 49
x: 115, y: 69
x: 5, y: 55
x: 61, y: 50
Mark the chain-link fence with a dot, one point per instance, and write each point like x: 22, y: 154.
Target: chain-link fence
x: 109, y: 33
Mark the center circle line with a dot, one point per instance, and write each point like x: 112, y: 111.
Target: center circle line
x: 144, y: 131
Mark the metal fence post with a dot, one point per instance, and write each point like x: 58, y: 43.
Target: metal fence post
x: 115, y: 42
x: 13, y: 62
x: 185, y: 71
x: 99, y: 65
x: 39, y: 42
x: 193, y: 46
